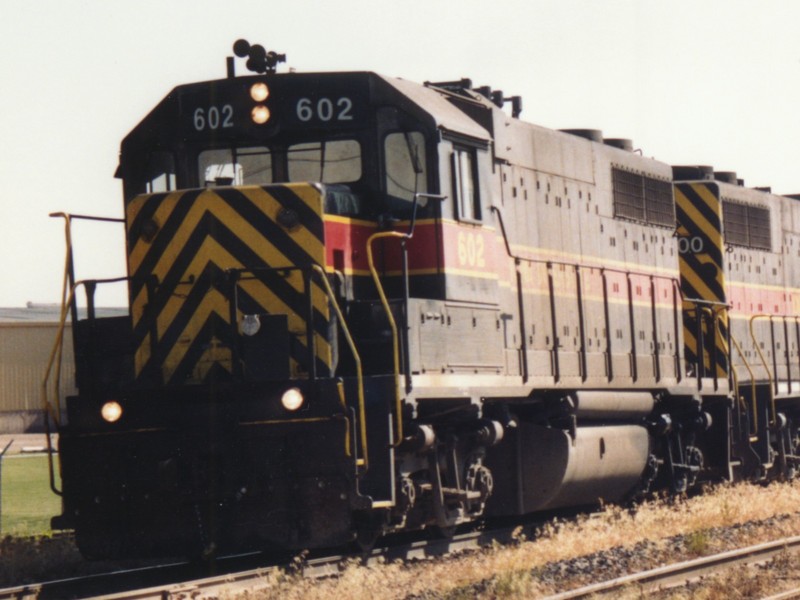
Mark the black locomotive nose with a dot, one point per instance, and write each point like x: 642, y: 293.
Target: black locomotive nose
x: 167, y: 474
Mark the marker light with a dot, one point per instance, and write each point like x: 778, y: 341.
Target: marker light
x: 259, y: 114
x: 250, y: 325
x: 292, y: 399
x: 111, y: 411
x: 259, y: 92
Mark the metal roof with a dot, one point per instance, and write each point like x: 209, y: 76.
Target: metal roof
x: 446, y: 115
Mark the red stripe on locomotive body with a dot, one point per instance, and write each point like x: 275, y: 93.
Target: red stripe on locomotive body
x: 436, y: 245
x: 746, y: 300
x: 466, y: 250
x: 471, y: 250
x: 349, y: 238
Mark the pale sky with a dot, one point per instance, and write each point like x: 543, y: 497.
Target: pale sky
x: 691, y: 82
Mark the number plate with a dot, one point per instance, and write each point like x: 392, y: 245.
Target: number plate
x: 222, y: 109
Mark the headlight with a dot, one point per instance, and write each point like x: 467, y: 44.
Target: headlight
x: 111, y: 411
x: 259, y: 92
x: 292, y: 399
x: 260, y: 114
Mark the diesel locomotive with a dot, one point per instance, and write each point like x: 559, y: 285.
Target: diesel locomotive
x: 362, y: 305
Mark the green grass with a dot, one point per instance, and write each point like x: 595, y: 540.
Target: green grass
x: 27, y: 502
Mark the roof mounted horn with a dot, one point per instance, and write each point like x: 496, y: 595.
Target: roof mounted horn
x: 259, y: 60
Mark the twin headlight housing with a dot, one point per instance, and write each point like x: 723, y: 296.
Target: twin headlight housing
x: 292, y: 400
x: 260, y: 113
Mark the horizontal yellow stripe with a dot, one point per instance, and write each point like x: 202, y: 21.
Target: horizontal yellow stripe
x: 762, y: 286
x: 586, y: 261
x: 284, y: 421
x: 349, y: 221
x: 599, y: 299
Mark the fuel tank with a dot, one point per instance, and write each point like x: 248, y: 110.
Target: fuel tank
x: 550, y: 468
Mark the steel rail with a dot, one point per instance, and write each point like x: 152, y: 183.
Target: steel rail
x: 108, y: 587
x: 787, y: 595
x: 251, y: 580
x: 683, y: 572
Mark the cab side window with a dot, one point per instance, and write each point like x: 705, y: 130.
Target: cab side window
x: 406, y: 172
x: 160, y: 173
x: 465, y: 184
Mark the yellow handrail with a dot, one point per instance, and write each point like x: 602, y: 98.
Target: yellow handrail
x: 393, y: 326
x: 359, y: 375
x: 752, y: 383
x: 55, y: 358
x: 47, y: 406
x: 764, y: 362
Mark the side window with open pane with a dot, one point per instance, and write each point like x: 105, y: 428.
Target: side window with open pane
x: 465, y: 184
x: 160, y: 173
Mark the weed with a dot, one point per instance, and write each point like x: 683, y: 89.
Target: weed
x: 697, y: 543
x: 512, y: 584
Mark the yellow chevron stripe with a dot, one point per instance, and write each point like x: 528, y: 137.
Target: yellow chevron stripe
x: 210, y: 202
x: 705, y: 193
x: 296, y: 323
x: 142, y: 355
x: 270, y: 207
x: 711, y: 232
x: 137, y: 306
x: 162, y: 213
x: 308, y: 194
x: 211, y: 251
x: 213, y: 302
x: 698, y: 282
x: 690, y: 341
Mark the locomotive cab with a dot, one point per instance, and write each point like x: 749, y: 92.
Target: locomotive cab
x: 258, y: 310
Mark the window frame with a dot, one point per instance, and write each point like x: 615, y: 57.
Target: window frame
x: 422, y: 178
x: 475, y: 214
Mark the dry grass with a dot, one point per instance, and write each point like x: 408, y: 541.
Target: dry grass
x: 649, y: 533
x: 511, y: 572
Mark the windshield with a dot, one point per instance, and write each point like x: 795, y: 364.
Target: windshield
x: 336, y: 161
x: 327, y: 162
x: 236, y: 166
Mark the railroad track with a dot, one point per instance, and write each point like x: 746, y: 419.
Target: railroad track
x: 679, y: 574
x: 174, y: 581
